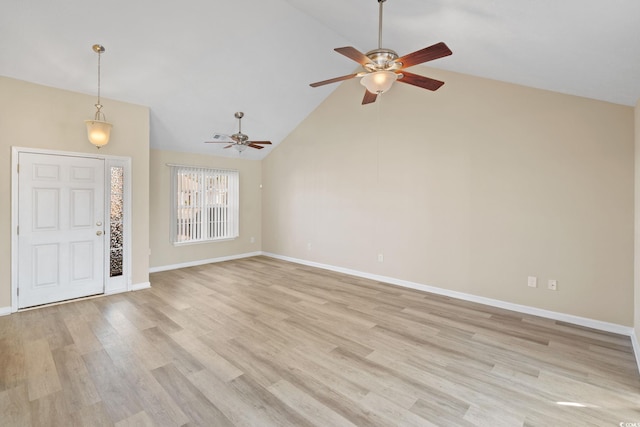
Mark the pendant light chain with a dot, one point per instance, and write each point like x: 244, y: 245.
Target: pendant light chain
x: 99, y: 56
x: 99, y: 114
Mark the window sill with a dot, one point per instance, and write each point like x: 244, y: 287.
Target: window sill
x: 199, y: 242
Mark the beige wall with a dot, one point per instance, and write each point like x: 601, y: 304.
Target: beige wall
x: 637, y: 228
x: 41, y: 117
x: 163, y: 253
x: 471, y: 188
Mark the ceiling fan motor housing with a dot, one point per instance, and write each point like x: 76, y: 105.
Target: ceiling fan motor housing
x: 240, y: 138
x: 382, y: 60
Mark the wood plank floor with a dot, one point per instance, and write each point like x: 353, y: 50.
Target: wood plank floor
x: 263, y: 342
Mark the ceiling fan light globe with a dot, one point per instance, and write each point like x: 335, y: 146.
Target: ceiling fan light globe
x: 379, y: 82
x: 240, y: 147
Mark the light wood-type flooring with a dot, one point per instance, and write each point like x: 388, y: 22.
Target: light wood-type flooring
x: 263, y: 342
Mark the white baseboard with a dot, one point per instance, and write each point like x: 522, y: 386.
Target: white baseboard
x: 4, y: 311
x: 202, y: 262
x: 139, y: 286
x: 569, y: 318
x: 636, y: 348
x: 115, y: 291
x: 134, y: 287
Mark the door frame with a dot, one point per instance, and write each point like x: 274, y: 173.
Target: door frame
x: 112, y: 285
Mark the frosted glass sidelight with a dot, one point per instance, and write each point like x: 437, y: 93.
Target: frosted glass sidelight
x: 116, y: 226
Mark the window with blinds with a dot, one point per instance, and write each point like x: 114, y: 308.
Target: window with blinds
x: 205, y: 204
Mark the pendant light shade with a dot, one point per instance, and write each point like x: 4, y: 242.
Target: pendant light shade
x: 379, y: 81
x: 98, y: 129
x: 98, y: 132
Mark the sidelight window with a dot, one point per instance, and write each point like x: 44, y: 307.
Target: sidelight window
x: 116, y: 221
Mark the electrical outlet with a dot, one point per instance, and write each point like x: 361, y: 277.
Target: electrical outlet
x: 552, y: 285
x: 253, y: 239
x: 380, y: 258
x: 532, y: 281
x: 309, y: 246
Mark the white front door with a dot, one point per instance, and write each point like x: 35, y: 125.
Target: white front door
x: 60, y: 228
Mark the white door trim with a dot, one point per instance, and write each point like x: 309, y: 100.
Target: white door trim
x: 112, y: 285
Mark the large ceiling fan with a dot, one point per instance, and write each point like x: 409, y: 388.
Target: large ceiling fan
x: 383, y: 66
x: 238, y: 140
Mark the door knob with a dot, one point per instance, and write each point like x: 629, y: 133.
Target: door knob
x: 98, y: 233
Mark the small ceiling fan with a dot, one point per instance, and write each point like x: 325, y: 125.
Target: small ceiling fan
x: 383, y: 66
x: 238, y: 140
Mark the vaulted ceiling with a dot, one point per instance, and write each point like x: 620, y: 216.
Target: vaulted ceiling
x: 196, y: 62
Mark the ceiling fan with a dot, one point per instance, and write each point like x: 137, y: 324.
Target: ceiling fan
x: 238, y: 140
x: 383, y: 66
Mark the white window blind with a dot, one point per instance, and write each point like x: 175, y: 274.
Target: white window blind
x: 205, y: 204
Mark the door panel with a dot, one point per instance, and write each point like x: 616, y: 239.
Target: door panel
x: 45, y: 209
x: 46, y: 260
x: 61, y: 217
x: 82, y: 209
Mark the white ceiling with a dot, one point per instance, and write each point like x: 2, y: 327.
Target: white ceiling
x: 196, y: 62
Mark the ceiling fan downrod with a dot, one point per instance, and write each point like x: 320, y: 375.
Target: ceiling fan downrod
x: 239, y: 115
x: 380, y: 2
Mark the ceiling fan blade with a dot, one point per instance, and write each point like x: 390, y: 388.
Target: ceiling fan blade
x: 230, y: 145
x: 369, y: 97
x: 260, y: 142
x: 420, y: 81
x: 217, y: 142
x: 430, y: 53
x: 353, y: 53
x: 259, y: 147
x: 335, y: 79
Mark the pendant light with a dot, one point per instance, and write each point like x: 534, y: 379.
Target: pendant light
x: 98, y: 129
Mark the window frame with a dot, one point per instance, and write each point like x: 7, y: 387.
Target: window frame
x: 205, y: 204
